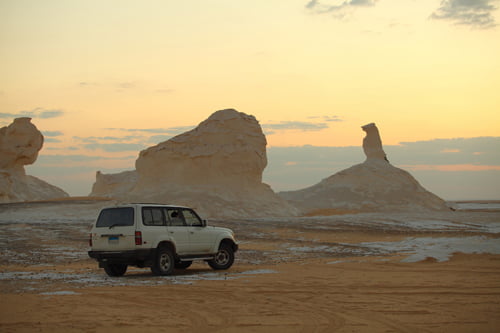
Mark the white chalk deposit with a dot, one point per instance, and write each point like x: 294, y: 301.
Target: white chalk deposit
x: 20, y: 143
x: 372, y: 186
x: 216, y: 168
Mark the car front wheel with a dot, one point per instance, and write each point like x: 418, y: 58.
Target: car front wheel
x: 223, y: 259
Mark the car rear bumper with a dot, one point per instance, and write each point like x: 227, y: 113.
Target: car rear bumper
x: 132, y: 257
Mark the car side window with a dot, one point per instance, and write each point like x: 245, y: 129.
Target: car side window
x: 174, y: 217
x: 152, y: 216
x: 191, y: 218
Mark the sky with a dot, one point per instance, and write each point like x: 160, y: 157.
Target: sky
x: 103, y: 80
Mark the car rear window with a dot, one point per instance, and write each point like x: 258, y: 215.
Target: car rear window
x: 115, y: 217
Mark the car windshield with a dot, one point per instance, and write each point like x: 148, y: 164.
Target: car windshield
x: 110, y: 217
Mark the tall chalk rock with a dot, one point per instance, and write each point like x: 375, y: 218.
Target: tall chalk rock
x: 20, y: 143
x: 372, y: 186
x: 216, y: 167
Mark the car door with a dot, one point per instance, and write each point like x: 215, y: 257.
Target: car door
x: 201, y: 238
x: 177, y: 230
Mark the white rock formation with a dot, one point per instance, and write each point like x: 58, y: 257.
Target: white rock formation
x: 372, y: 144
x: 372, y: 186
x: 20, y: 143
x: 216, y: 168
x: 114, y: 185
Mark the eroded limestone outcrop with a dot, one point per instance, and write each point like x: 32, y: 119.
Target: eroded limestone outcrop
x: 372, y: 186
x: 372, y: 144
x: 216, y: 168
x: 20, y: 143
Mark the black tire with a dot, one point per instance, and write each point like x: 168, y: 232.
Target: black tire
x: 164, y: 262
x: 224, y: 258
x: 183, y: 264
x: 115, y: 269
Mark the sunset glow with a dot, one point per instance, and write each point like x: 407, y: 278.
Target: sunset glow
x: 106, y: 79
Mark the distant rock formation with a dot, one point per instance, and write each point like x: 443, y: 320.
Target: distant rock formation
x: 372, y: 144
x: 20, y: 143
x: 114, y: 185
x: 216, y: 167
x: 372, y: 186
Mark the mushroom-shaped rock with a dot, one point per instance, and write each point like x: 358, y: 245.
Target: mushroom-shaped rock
x: 20, y: 143
x: 372, y: 144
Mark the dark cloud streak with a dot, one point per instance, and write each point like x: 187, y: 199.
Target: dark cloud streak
x: 324, y: 7
x: 35, y: 113
x: 52, y: 133
x: 115, y: 147
x: 474, y: 13
x: 164, y: 131
x: 295, y: 125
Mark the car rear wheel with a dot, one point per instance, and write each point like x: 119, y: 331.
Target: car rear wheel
x: 164, y: 262
x: 224, y: 258
x: 115, y: 269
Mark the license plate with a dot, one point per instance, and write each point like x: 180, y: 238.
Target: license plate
x: 113, y: 240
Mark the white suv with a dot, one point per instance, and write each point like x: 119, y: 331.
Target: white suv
x: 162, y: 237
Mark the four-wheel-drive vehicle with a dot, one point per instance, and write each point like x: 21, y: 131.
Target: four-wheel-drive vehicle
x: 162, y: 237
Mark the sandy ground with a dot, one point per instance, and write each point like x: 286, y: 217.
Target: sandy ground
x: 345, y: 273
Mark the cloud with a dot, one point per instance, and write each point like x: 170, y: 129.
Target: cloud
x: 112, y: 144
x: 51, y: 140
x: 123, y: 86
x: 327, y: 118
x: 295, y: 125
x: 463, y: 154
x: 85, y: 84
x: 35, y: 113
x: 459, y: 168
x: 117, y: 143
x: 338, y: 8
x: 61, y: 159
x: 474, y: 13
x: 96, y: 139
x: 115, y: 147
x: 52, y: 133
x: 126, y: 85
x: 164, y: 131
x: 159, y: 138
x: 149, y: 130
x: 479, y: 150
x: 452, y: 167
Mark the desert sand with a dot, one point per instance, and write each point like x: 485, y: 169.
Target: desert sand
x: 401, y: 272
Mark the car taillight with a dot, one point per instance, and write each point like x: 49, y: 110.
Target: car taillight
x: 90, y: 240
x: 138, y: 238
